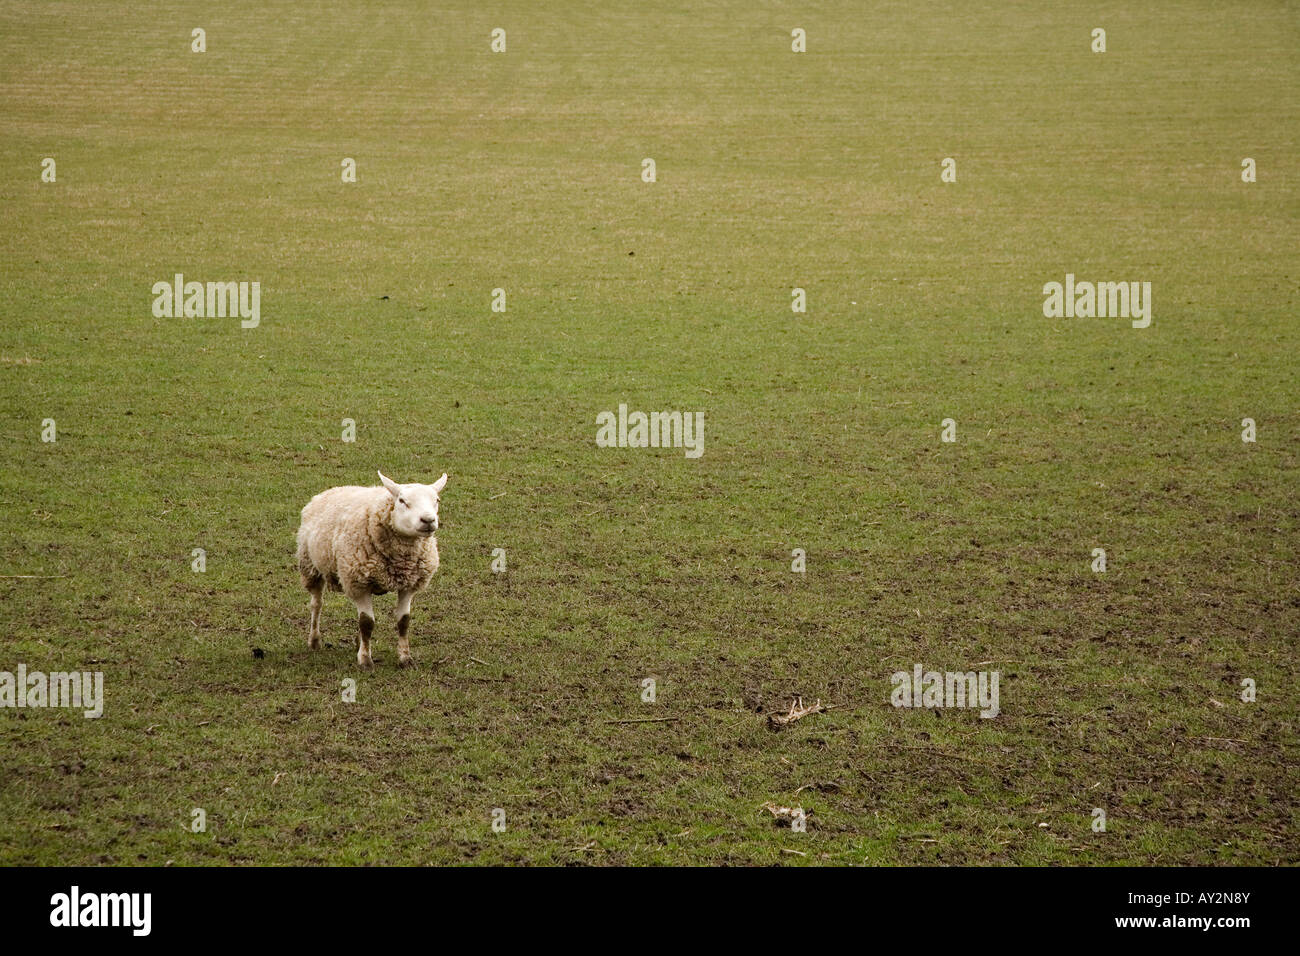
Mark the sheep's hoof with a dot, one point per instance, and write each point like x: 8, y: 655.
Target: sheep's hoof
x: 363, y: 660
x: 407, y: 661
x: 313, y: 643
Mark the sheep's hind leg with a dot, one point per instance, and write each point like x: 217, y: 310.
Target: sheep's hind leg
x: 365, y: 626
x: 403, y: 623
x: 313, y: 629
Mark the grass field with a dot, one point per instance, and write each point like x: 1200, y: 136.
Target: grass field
x: 775, y: 170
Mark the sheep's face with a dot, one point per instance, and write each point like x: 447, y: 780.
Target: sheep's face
x: 415, y: 507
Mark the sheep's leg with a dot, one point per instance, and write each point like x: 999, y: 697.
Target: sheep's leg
x: 365, y: 625
x: 403, y: 623
x: 313, y: 629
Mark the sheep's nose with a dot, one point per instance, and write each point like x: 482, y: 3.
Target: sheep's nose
x: 431, y: 522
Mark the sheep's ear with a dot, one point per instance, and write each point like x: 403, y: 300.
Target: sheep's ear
x: 440, y: 484
x: 393, y: 488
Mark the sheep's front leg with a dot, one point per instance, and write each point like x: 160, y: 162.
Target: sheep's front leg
x: 403, y: 624
x: 365, y: 626
x: 313, y: 629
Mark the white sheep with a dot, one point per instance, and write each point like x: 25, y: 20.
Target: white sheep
x: 367, y: 541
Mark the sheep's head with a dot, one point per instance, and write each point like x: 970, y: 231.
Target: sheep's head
x: 415, y: 507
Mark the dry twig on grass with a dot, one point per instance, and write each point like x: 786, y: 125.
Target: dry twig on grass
x: 797, y: 712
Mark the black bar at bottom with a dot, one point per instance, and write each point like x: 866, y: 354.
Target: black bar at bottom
x: 224, y: 906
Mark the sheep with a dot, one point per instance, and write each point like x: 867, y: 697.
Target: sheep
x: 368, y: 541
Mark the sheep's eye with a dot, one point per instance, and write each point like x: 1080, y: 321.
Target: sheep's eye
x: 401, y: 501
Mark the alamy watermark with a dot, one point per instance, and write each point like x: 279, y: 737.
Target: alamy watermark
x: 922, y: 688
x: 75, y: 908
x: 1086, y: 300
x: 655, y: 430
x: 198, y: 300
x: 76, y: 689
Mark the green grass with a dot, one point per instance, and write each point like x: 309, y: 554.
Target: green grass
x: 775, y: 170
